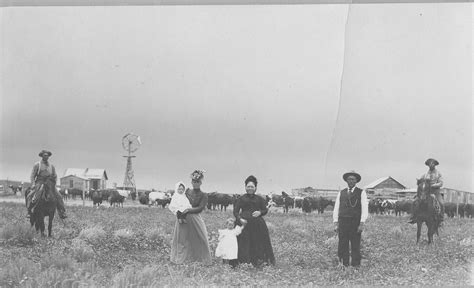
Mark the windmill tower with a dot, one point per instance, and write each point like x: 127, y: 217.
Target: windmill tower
x: 130, y: 143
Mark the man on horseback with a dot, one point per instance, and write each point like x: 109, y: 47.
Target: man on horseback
x: 436, y: 182
x: 44, y: 176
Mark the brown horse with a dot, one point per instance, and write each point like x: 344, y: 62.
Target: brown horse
x: 426, y: 210
x: 45, y: 206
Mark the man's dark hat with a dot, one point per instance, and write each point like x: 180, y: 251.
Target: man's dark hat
x: 45, y: 152
x: 427, y: 162
x: 351, y: 173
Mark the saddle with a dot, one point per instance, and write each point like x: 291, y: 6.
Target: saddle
x: 436, y: 205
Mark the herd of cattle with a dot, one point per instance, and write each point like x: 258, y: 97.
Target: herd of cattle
x: 220, y: 201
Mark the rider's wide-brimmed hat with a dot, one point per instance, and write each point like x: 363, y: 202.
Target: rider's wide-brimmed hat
x: 351, y: 173
x: 431, y: 160
x: 45, y: 152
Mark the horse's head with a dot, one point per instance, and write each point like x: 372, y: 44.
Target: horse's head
x: 424, y: 188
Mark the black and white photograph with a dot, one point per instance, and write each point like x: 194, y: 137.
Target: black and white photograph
x: 236, y: 143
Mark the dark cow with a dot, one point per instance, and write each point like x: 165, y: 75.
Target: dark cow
x: 403, y: 206
x: 323, y: 203
x: 316, y: 203
x: 74, y: 192
x: 116, y: 199
x: 143, y: 197
x: 307, y: 204
x: 453, y: 209
x: 469, y: 211
x: 375, y: 206
x: 105, y: 193
x: 217, y: 200
x: 96, y: 197
x: 461, y: 210
x: 15, y: 189
x: 277, y: 200
x: 288, y: 202
x: 163, y: 202
x: 159, y: 198
x: 284, y: 200
x: 299, y: 202
x: 450, y: 209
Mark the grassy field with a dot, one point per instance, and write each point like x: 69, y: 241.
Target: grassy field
x: 125, y: 247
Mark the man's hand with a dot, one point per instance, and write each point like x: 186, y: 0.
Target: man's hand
x: 336, y: 227
x: 361, y: 227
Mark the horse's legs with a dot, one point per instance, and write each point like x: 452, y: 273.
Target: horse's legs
x: 50, y: 223
x: 418, y: 230
x: 41, y: 225
x: 430, y: 225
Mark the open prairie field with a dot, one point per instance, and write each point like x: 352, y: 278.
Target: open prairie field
x: 129, y: 247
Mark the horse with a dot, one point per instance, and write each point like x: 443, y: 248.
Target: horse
x: 426, y: 210
x: 45, y: 206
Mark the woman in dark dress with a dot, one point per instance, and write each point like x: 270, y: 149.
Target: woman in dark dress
x: 190, y: 240
x: 254, y: 241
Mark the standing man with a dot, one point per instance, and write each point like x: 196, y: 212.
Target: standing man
x: 436, y: 182
x: 44, y: 176
x: 350, y: 212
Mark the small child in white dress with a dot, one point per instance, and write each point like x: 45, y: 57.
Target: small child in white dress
x: 227, y: 248
x: 179, y: 202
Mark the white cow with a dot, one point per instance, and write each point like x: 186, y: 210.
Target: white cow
x: 124, y: 193
x: 160, y: 198
x: 389, y: 205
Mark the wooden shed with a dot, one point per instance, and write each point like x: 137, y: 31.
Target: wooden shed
x: 385, y: 187
x: 84, y: 179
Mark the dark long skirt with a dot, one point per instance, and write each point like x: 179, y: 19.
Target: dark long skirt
x: 254, y: 243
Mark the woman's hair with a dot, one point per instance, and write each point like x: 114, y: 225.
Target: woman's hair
x: 252, y: 179
x: 230, y: 220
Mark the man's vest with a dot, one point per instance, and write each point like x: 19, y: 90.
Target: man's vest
x: 349, y: 205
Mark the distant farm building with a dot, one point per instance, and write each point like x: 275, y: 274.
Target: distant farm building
x: 457, y: 196
x: 408, y: 193
x: 449, y: 195
x: 303, y: 192
x: 385, y: 187
x: 315, y: 192
x: 84, y: 179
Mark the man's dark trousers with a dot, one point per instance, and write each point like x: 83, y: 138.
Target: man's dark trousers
x: 348, y: 233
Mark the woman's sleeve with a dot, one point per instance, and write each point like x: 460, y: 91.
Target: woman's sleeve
x: 201, y: 205
x: 172, y: 206
x: 263, y: 207
x: 237, y: 209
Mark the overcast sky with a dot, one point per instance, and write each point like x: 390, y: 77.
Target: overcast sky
x: 295, y: 95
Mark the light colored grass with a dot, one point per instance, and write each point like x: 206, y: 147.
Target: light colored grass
x: 18, y: 233
x: 305, y: 249
x: 93, y: 235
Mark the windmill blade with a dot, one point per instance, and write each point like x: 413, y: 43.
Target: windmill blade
x: 139, y: 140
